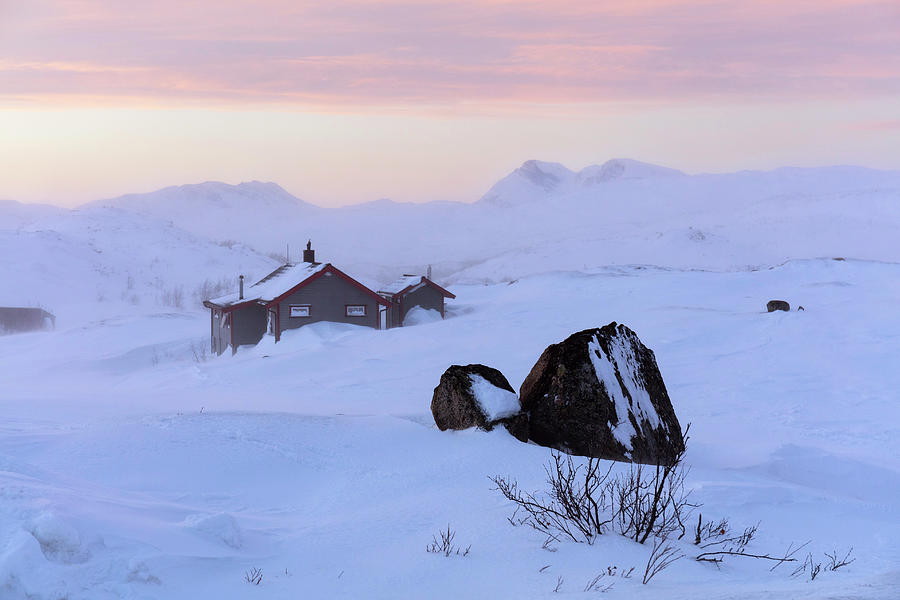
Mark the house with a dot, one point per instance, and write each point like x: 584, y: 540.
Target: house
x: 290, y: 297
x: 410, y: 291
x: 15, y: 319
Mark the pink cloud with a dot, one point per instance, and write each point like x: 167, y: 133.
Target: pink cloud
x: 367, y: 52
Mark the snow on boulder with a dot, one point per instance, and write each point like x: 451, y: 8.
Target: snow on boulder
x: 600, y: 393
x: 477, y: 396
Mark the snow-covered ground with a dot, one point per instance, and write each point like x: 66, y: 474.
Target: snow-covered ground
x: 133, y: 465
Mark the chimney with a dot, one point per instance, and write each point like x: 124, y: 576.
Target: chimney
x: 309, y: 255
x: 428, y: 272
x: 242, y: 287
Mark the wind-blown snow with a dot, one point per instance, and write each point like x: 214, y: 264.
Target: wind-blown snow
x: 133, y: 464
x: 637, y: 401
x: 496, y: 403
x: 421, y: 316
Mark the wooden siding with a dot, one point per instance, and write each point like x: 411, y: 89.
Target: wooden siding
x: 426, y: 296
x: 327, y: 297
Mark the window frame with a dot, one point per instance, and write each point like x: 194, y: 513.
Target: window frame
x: 365, y: 311
x: 291, y: 308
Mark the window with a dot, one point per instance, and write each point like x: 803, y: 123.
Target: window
x: 299, y: 310
x: 356, y: 310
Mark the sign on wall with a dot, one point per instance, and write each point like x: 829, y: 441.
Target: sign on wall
x: 356, y: 310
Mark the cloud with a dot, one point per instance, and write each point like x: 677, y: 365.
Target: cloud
x: 382, y: 53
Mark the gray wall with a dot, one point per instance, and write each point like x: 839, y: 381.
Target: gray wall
x: 426, y: 297
x: 15, y: 320
x: 327, y: 297
x: 248, y: 325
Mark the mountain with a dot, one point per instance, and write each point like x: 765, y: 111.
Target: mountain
x: 83, y: 264
x: 532, y: 181
x: 210, y: 209
x: 623, y: 169
x: 537, y: 180
x: 541, y: 218
x: 16, y: 214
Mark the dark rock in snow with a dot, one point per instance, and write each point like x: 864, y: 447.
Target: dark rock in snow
x: 773, y: 305
x: 477, y: 396
x: 600, y: 393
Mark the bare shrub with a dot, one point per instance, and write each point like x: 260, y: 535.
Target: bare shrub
x: 605, y: 580
x: 200, y: 352
x: 719, y: 535
x: 442, y: 543
x: 711, y: 530
x: 652, y: 501
x: 834, y: 563
x: 662, y: 555
x: 808, y: 567
x: 718, y: 556
x: 583, y: 502
x: 211, y: 288
x: 173, y: 297
x: 576, y: 505
x: 253, y: 576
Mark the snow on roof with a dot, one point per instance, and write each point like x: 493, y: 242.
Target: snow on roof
x: 401, y: 284
x: 273, y: 285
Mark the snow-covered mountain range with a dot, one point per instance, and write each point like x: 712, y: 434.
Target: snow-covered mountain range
x: 542, y: 217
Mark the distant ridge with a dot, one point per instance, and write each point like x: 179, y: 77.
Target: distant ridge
x: 213, y: 194
x: 536, y: 179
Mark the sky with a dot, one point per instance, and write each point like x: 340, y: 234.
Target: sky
x: 347, y: 101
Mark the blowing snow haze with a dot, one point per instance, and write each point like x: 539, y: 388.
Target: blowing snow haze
x: 542, y: 217
x: 135, y: 462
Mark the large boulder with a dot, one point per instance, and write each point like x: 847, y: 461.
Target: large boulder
x: 477, y: 396
x: 773, y: 305
x: 599, y: 393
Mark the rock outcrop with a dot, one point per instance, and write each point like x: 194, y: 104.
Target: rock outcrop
x: 600, y: 393
x: 477, y: 396
x: 773, y: 305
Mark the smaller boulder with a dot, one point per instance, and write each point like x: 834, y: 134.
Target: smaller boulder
x: 477, y: 396
x: 773, y: 305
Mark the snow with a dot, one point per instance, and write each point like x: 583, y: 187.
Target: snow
x: 397, y: 286
x: 496, y: 403
x: 622, y: 360
x: 133, y: 464
x: 421, y: 316
x: 274, y: 284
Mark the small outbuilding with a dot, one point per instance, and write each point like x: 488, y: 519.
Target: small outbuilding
x: 14, y: 319
x: 290, y: 297
x: 410, y: 291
